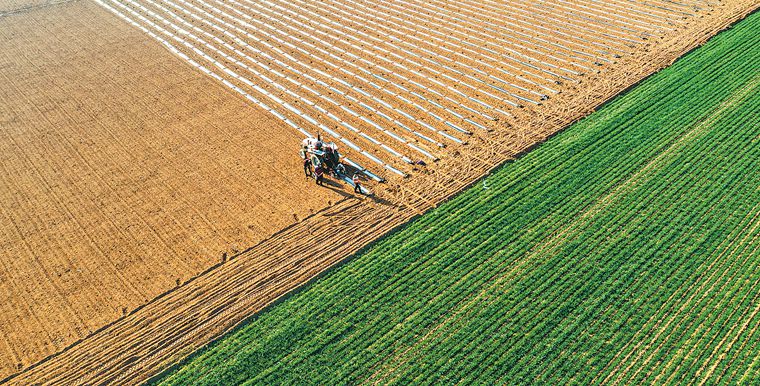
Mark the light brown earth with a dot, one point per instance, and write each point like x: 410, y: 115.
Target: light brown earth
x: 122, y: 170
x: 129, y: 349
x: 9, y: 7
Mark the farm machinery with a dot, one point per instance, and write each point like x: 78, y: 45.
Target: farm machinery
x: 326, y: 156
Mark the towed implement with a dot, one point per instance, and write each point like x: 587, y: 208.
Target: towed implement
x: 318, y: 154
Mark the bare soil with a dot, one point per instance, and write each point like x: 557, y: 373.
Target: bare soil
x: 123, y: 171
x: 163, y: 168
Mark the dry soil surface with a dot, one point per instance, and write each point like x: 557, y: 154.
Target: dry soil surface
x: 154, y: 169
x: 123, y: 171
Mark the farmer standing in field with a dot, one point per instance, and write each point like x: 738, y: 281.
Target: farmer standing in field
x: 357, y: 187
x: 307, y: 167
x: 306, y: 162
x: 320, y: 175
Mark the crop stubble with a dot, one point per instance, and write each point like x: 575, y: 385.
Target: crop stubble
x: 168, y: 327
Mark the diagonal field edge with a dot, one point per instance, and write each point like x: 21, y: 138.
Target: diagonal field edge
x: 336, y: 256
x: 198, y: 364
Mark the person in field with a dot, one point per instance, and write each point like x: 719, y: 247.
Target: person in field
x: 318, y: 144
x: 319, y: 175
x: 306, y: 161
x: 329, y: 159
x: 357, y: 186
x: 307, y: 167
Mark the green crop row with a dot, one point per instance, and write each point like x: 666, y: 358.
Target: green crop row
x: 624, y: 250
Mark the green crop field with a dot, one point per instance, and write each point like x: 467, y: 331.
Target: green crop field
x: 624, y: 250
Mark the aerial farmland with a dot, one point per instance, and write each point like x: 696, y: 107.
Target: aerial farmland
x: 156, y: 219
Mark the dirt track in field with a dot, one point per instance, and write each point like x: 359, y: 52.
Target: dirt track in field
x: 128, y: 349
x: 121, y: 172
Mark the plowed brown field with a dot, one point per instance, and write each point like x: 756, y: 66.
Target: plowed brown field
x: 125, y: 170
x: 122, y: 170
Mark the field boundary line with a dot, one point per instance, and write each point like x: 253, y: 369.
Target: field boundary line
x: 391, y: 216
x: 587, y: 213
x: 190, y: 280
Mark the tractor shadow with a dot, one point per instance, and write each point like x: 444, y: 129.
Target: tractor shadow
x: 336, y: 187
x: 347, y: 191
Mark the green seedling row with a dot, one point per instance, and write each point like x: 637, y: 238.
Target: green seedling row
x: 625, y: 250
